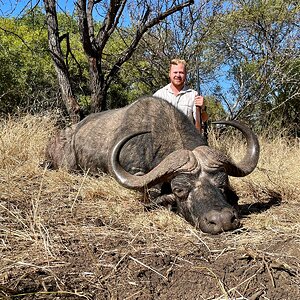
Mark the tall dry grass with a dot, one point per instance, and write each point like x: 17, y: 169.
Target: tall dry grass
x: 40, y: 209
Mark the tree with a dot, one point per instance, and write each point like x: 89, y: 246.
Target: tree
x: 247, y: 53
x: 180, y: 35
x: 143, y: 14
x: 256, y: 41
x: 60, y: 65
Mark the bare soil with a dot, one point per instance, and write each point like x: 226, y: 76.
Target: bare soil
x: 74, y: 250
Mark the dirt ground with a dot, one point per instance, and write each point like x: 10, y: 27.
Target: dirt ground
x: 175, y: 275
x: 83, y: 248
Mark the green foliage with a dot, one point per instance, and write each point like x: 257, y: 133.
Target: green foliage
x: 214, y: 109
x: 27, y: 75
x: 257, y: 41
x: 252, y: 43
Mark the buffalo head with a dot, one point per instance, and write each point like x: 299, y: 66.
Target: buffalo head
x: 197, y: 181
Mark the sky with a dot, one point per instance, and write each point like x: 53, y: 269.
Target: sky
x: 15, y: 8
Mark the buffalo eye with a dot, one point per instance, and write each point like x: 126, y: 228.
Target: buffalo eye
x: 181, y: 185
x: 180, y: 192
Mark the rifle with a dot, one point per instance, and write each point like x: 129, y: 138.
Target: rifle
x: 201, y: 124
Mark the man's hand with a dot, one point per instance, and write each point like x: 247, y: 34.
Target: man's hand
x: 199, y: 101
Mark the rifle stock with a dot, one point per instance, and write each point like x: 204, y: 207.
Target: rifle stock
x: 199, y: 119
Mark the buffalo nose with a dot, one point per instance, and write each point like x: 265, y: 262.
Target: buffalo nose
x: 217, y: 221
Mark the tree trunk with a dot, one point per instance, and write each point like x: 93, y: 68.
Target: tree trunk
x: 68, y: 98
x: 63, y: 76
x: 97, y: 86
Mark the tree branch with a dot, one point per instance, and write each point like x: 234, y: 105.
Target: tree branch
x: 144, y: 27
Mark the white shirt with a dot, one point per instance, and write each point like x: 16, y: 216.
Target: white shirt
x: 184, y: 101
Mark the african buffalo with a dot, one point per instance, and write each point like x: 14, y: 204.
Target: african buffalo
x: 151, y: 144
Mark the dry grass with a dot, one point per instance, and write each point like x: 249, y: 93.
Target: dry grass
x: 67, y: 235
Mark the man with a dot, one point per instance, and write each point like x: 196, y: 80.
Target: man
x: 178, y: 94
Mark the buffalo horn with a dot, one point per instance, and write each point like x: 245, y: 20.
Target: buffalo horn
x: 175, y: 162
x: 250, y: 160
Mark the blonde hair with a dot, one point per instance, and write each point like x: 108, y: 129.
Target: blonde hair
x: 177, y: 61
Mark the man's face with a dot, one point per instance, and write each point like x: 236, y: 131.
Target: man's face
x: 177, y: 75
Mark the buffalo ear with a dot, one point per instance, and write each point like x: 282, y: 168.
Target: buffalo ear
x: 232, y: 197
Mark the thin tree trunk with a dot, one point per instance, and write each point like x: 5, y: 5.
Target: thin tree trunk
x: 63, y: 76
x: 97, y: 86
